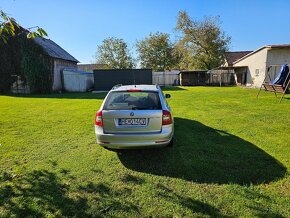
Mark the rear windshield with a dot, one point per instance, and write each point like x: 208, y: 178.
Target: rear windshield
x: 133, y: 101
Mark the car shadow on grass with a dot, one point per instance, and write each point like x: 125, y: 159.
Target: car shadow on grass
x: 196, y: 206
x: 206, y: 155
x: 39, y: 193
x: 173, y: 88
x: 43, y: 193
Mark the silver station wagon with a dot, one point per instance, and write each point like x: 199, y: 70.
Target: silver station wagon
x: 134, y: 116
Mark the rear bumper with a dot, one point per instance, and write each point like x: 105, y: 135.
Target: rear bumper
x: 125, y: 141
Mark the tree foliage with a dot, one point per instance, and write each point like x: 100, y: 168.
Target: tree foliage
x: 203, y: 43
x: 36, y: 67
x: 115, y: 54
x: 157, y: 52
x: 8, y: 65
x: 8, y: 27
x: 21, y: 57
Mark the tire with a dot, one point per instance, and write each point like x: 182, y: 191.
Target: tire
x: 171, y: 143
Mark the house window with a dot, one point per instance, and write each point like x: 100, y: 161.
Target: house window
x: 257, y: 72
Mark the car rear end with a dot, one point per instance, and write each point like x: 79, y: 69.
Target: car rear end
x: 134, y: 116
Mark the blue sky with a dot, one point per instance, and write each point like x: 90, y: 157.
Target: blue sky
x: 79, y: 26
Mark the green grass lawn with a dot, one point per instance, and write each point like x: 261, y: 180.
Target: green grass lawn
x: 231, y: 158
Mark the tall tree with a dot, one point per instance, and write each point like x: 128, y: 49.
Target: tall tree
x: 204, y: 41
x: 157, y: 52
x: 115, y: 54
x: 185, y: 56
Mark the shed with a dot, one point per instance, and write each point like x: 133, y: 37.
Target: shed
x: 193, y: 78
x: 222, y: 76
x: 77, y: 81
x: 60, y: 59
x: 105, y: 79
x: 32, y: 65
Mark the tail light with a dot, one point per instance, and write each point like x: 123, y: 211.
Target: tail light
x: 166, y: 117
x: 99, y: 118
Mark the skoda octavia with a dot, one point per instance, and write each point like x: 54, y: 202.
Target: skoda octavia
x: 134, y: 116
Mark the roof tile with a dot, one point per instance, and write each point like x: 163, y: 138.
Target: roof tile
x: 53, y: 49
x: 231, y: 57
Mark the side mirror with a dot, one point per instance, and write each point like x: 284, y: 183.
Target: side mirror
x: 167, y: 96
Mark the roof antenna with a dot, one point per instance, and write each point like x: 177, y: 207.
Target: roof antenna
x: 134, y: 78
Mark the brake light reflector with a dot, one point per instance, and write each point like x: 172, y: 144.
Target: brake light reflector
x: 166, y: 117
x: 99, y: 118
x: 134, y: 90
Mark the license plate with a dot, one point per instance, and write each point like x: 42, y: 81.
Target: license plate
x: 132, y: 122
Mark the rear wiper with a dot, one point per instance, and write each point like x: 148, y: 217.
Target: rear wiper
x: 140, y: 108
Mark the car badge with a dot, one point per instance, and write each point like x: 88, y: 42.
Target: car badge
x: 131, y: 114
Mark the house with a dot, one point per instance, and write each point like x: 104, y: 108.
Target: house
x: 254, y: 65
x: 231, y: 57
x: 60, y: 59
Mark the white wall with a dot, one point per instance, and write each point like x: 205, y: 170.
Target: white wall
x: 77, y: 81
x: 256, y: 64
x: 277, y: 57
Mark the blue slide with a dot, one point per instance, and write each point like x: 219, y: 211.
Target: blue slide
x: 282, y: 76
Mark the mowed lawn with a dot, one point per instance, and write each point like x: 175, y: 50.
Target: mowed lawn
x: 231, y: 158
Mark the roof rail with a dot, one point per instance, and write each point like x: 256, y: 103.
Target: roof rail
x: 116, y: 86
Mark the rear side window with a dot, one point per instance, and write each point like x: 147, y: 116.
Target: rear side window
x: 133, y: 101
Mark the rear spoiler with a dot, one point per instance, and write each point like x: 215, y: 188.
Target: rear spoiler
x: 116, y: 86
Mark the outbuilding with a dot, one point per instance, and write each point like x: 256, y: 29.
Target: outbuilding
x: 193, y: 78
x: 36, y: 67
x: 60, y: 59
